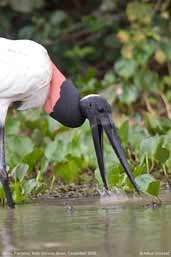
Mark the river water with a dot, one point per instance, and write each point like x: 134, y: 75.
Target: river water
x: 89, y: 227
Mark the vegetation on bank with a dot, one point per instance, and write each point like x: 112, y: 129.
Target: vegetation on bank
x: 120, y: 49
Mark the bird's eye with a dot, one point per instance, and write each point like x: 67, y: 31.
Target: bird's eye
x: 101, y: 109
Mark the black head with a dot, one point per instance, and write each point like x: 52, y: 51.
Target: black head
x: 97, y: 110
x: 94, y: 107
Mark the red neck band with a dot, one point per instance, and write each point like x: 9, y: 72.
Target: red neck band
x: 54, y: 89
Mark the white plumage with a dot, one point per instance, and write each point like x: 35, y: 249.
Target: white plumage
x: 25, y: 74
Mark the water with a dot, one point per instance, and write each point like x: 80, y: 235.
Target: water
x: 86, y: 228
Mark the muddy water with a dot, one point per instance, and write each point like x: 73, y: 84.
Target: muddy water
x: 90, y: 227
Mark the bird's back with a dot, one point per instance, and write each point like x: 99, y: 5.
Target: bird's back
x: 25, y: 72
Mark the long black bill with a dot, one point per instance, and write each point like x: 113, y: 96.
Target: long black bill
x: 97, y: 133
x: 109, y: 127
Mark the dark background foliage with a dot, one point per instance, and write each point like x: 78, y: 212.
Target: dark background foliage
x: 120, y: 49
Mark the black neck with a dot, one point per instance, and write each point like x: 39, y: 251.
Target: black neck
x: 67, y: 109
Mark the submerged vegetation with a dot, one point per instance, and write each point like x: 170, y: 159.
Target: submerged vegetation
x: 120, y: 49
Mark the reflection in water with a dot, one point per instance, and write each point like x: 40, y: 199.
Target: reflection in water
x: 108, y: 244
x: 107, y: 231
x: 6, y: 233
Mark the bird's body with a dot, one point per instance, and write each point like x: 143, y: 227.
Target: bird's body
x: 28, y: 76
x: 25, y: 74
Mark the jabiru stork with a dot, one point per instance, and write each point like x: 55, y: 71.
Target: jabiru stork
x: 28, y: 77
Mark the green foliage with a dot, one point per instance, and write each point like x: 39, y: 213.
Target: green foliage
x: 120, y: 49
x: 148, y: 184
x: 67, y: 154
x: 142, y: 43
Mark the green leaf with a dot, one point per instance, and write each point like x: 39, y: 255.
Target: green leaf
x: 143, y: 181
x: 17, y: 148
x: 136, y: 136
x: 98, y: 177
x: 40, y: 177
x: 152, y: 123
x: 139, y: 170
x: 125, y: 68
x: 79, y: 52
x: 154, y: 188
x: 123, y: 132
x: 68, y: 143
x: 68, y: 170
x: 109, y: 78
x: 167, y: 80
x: 44, y: 163
x: 93, y: 23
x: 130, y: 93
x: 33, y: 157
x: 26, y: 32
x: 2, y: 193
x: 114, y: 176
x: 20, y: 172
x: 144, y: 78
x: 147, y: 183
x: 162, y: 154
x: 18, y: 196
x: 139, y: 11
x: 29, y: 186
x: 22, y: 6
x: 156, y: 124
x: 12, y: 128
x: 143, y: 53
x: 148, y: 146
x: 57, y: 17
x: 51, y: 151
